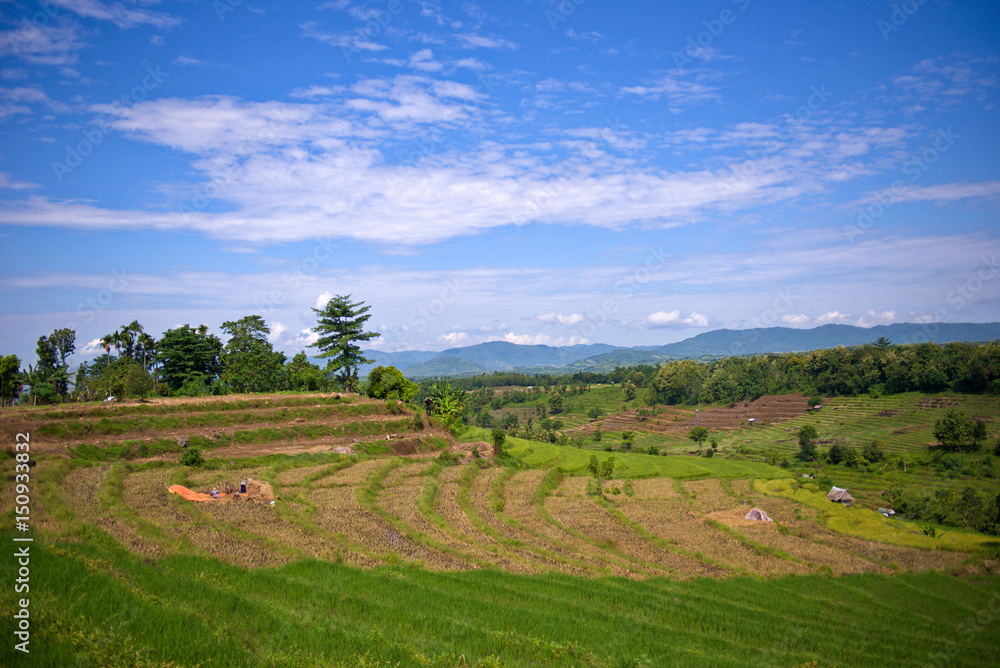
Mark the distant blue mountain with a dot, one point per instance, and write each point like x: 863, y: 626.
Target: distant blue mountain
x: 504, y: 356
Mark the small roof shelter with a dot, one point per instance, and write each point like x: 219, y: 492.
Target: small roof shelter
x: 838, y: 495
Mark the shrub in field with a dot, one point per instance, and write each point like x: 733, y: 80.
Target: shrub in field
x: 873, y: 452
x: 497, y: 437
x: 192, y: 457
x: 807, y: 449
x: 448, y: 458
x: 837, y: 453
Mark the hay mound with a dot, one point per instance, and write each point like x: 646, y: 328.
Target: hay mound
x: 758, y: 515
x: 259, y: 491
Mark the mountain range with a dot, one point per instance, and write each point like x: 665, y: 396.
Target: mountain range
x: 599, y: 357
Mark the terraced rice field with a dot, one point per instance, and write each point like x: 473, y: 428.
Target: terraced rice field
x: 414, y: 510
x: 391, y: 557
x: 904, y: 422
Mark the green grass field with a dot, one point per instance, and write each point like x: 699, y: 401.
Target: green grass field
x: 95, y: 604
x: 630, y: 464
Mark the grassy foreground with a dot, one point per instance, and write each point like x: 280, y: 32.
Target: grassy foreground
x: 94, y: 604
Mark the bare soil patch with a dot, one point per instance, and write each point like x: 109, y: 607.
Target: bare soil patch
x: 770, y: 409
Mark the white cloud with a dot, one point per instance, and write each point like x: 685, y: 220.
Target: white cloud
x: 424, y: 60
x: 348, y: 41
x: 454, y: 339
x: 305, y: 338
x: 873, y: 318
x: 323, y: 300
x: 676, y: 319
x: 472, y: 64
x: 869, y: 318
x: 278, y: 330
x: 362, y: 162
x: 475, y: 41
x: 18, y: 100
x: 93, y: 347
x: 592, y: 36
x: 796, y: 320
x: 568, y: 320
x: 542, y: 340
x: 942, y: 193
x: 185, y: 61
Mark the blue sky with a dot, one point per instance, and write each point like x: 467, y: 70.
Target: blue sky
x: 548, y: 172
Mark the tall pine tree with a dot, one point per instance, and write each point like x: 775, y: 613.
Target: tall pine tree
x: 340, y: 326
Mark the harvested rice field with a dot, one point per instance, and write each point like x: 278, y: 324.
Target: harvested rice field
x: 416, y: 510
x: 380, y: 547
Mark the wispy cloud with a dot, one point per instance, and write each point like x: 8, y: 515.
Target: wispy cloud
x: 55, y: 45
x: 681, y: 88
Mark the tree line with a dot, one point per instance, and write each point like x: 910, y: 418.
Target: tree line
x: 190, y: 361
x: 874, y: 369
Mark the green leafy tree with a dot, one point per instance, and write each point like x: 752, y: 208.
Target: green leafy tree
x: 699, y: 435
x: 115, y: 377
x: 807, y: 448
x: 305, y: 376
x: 138, y: 381
x: 630, y: 390
x: 838, y: 453
x: 388, y: 382
x: 340, y: 326
x: 601, y: 470
x: 188, y: 355
x: 556, y: 401
x: 249, y: 363
x: 874, y: 451
x: 10, y: 379
x: 628, y: 439
x: 53, y: 350
x: 678, y: 381
x: 956, y: 431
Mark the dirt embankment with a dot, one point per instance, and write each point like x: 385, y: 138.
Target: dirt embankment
x: 769, y: 409
x: 297, y: 423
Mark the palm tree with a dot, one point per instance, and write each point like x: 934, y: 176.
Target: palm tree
x: 31, y: 378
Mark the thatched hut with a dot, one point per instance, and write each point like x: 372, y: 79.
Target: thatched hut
x: 838, y: 495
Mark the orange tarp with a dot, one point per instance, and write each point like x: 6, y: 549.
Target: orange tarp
x: 191, y: 496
